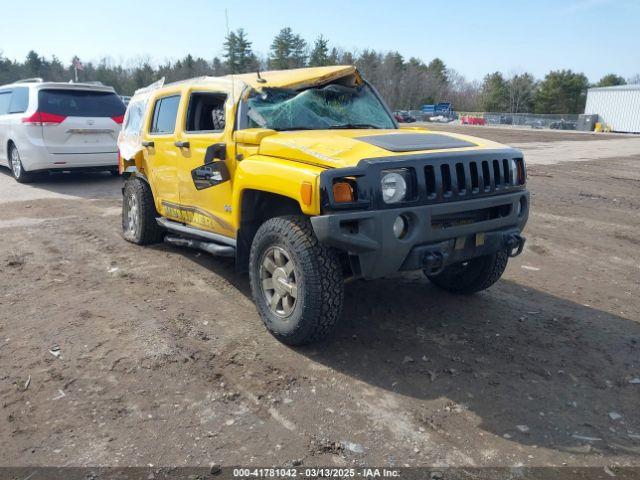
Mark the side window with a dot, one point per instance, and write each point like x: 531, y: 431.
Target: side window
x: 164, y: 115
x: 5, y: 100
x: 19, y: 100
x: 134, y: 118
x: 206, y: 112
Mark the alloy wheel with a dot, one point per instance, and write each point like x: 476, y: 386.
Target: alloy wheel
x: 16, y: 165
x: 278, y: 281
x: 133, y: 215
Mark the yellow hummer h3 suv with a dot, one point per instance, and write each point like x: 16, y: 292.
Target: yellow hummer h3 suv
x: 305, y: 178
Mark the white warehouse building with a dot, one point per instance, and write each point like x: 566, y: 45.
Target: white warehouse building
x: 617, y: 107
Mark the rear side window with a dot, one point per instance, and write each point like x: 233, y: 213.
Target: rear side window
x: 80, y: 103
x: 19, y: 100
x: 134, y: 118
x: 206, y: 112
x: 164, y: 115
x: 5, y: 100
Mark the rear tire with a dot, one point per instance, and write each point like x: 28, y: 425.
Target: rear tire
x: 139, y: 214
x: 473, y: 275
x: 296, y: 282
x: 19, y: 173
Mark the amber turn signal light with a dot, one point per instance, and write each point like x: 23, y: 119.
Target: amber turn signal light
x: 342, y: 192
x: 306, y: 191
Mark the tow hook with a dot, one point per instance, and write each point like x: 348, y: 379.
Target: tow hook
x: 434, y: 262
x: 514, y: 243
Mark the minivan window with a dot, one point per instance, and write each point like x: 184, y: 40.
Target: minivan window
x: 80, y: 103
x: 164, y: 114
x: 5, y: 100
x: 19, y: 100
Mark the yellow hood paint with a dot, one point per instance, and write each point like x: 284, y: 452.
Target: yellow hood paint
x: 341, y: 148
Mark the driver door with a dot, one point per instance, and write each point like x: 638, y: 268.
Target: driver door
x: 205, y: 173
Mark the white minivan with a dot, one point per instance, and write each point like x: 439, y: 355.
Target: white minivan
x: 49, y: 126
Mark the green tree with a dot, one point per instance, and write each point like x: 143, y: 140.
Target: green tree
x: 334, y: 56
x: 522, y: 89
x: 219, y: 68
x: 438, y: 71
x: 319, y: 55
x: 494, y: 93
x: 288, y: 50
x: 34, y: 65
x: 239, y: 57
x: 562, y: 91
x: 611, y: 80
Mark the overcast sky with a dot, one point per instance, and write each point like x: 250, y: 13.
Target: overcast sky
x: 474, y: 37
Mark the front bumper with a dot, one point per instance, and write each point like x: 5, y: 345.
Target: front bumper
x: 369, y: 239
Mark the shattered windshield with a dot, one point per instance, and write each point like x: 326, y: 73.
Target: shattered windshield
x: 330, y: 106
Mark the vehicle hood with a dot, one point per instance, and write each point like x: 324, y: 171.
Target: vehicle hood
x: 345, y: 148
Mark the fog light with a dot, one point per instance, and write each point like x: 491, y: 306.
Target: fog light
x: 521, y: 206
x: 400, y: 226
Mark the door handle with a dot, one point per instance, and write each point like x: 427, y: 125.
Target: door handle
x: 182, y: 144
x: 145, y: 143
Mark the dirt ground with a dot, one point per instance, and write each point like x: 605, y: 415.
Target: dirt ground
x: 510, y: 135
x: 164, y: 361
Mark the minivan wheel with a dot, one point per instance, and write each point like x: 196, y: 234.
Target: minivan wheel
x: 17, y: 169
x: 296, y: 282
x: 139, y: 214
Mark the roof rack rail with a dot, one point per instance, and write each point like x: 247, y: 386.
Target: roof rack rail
x: 30, y: 80
x: 88, y: 82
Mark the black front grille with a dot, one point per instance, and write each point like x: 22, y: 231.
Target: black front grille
x: 447, y: 177
x: 467, y: 178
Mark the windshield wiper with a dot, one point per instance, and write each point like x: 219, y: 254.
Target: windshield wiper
x: 294, y: 128
x: 354, y: 125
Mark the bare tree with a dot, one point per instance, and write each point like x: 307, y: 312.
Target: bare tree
x: 521, y: 87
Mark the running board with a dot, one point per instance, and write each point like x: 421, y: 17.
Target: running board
x: 188, y: 231
x: 209, y: 247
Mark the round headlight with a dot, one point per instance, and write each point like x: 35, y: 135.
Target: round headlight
x: 394, y: 187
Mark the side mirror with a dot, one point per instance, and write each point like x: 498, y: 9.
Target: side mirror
x: 210, y: 175
x: 217, y: 151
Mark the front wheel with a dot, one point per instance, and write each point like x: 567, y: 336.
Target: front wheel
x: 296, y: 282
x: 17, y: 169
x: 473, y: 275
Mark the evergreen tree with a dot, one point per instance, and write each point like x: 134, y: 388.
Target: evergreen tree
x: 288, y: 50
x: 562, y: 91
x: 495, y: 93
x: 34, y: 65
x: 319, y: 56
x: 239, y: 57
x: 611, y: 80
x: 438, y: 71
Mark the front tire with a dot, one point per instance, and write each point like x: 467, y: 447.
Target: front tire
x: 296, y: 282
x: 139, y: 214
x: 19, y: 173
x: 473, y: 275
